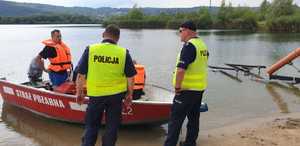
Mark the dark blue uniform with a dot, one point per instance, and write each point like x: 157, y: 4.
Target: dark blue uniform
x: 185, y: 104
x: 112, y: 105
x: 82, y: 66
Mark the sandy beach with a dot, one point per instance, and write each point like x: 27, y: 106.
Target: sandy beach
x: 277, y: 130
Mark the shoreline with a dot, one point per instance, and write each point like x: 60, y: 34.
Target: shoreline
x: 274, y: 130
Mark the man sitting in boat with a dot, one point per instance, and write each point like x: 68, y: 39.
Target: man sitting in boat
x: 139, y: 81
x: 59, y: 56
x: 35, y: 72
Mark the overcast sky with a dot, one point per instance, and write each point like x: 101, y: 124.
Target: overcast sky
x: 144, y: 3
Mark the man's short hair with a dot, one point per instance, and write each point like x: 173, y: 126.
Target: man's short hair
x: 113, y: 30
x: 54, y: 31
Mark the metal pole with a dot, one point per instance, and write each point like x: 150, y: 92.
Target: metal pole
x: 209, y: 6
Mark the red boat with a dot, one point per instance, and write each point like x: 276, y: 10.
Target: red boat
x: 153, y: 107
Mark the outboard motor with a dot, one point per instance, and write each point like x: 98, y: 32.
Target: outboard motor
x: 35, y: 72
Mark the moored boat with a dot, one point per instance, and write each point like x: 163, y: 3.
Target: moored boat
x: 153, y: 107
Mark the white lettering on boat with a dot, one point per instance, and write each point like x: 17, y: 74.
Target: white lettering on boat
x: 34, y: 97
x: 8, y: 90
x: 53, y: 102
x: 22, y: 94
x: 127, y: 111
x: 77, y: 107
x: 48, y: 101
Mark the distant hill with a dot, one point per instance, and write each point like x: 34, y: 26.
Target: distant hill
x: 16, y: 9
x: 8, y: 8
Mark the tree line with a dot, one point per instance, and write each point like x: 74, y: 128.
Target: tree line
x: 278, y: 16
x: 49, y: 19
x: 275, y: 16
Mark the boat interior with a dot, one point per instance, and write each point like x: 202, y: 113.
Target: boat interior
x: 151, y: 92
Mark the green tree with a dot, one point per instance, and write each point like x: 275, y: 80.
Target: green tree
x: 135, y: 13
x: 284, y: 17
x: 281, y: 8
x: 179, y: 15
x: 205, y: 19
x: 224, y: 14
x: 246, y: 19
x: 263, y: 10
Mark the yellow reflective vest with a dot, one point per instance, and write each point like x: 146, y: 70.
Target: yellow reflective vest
x: 106, y: 70
x: 195, y: 77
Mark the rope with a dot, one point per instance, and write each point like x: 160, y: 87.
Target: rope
x: 292, y: 64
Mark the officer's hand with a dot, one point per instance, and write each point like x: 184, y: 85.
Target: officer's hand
x: 177, y: 90
x: 80, y: 97
x: 128, y: 100
x: 46, y: 70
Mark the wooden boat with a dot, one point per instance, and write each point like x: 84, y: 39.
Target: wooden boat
x: 154, y: 107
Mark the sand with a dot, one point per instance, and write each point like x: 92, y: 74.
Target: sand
x: 279, y: 130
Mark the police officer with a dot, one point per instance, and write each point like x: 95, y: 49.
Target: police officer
x: 189, y: 81
x: 110, y: 77
x: 59, y: 56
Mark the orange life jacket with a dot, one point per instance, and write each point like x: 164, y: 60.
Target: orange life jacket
x: 139, y: 78
x: 62, y: 61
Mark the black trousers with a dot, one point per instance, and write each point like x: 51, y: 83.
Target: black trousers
x: 186, y: 104
x: 113, y: 108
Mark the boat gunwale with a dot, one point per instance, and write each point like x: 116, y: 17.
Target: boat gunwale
x: 139, y: 101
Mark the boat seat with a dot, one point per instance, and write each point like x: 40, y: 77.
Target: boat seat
x: 143, y: 98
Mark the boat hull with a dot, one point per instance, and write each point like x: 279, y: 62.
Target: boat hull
x: 64, y: 107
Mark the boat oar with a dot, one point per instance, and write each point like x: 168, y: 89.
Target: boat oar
x: 295, y: 67
x: 158, y: 86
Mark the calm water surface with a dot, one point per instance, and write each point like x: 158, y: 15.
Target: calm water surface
x: 230, y: 101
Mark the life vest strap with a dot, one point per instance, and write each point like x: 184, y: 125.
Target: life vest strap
x: 139, y: 84
x: 61, y: 63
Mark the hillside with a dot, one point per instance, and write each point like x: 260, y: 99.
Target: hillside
x: 8, y: 8
x: 17, y: 9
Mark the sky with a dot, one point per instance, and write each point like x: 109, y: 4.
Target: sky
x: 145, y: 3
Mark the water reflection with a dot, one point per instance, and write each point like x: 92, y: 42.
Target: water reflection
x: 233, y: 77
x: 288, y: 88
x: 203, y: 33
x: 279, y: 37
x: 52, y: 133
x: 232, y: 32
x: 43, y: 131
x: 277, y: 99
x: 135, y: 34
